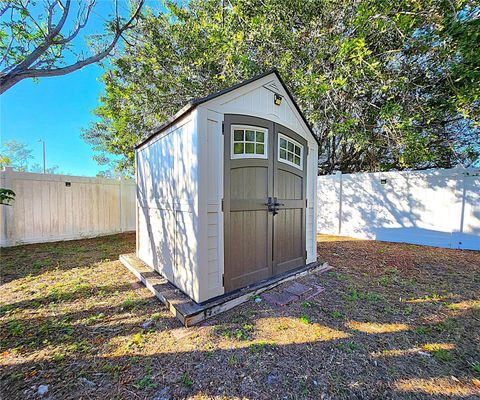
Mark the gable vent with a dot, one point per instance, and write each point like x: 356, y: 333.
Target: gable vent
x: 271, y: 86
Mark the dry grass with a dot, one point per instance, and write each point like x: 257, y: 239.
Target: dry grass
x: 395, y: 321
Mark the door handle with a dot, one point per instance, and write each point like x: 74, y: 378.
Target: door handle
x: 271, y: 205
x: 276, y: 203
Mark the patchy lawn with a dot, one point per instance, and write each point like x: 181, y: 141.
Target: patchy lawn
x: 394, y: 321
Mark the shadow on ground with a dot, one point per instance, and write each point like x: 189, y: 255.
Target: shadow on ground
x: 394, y: 321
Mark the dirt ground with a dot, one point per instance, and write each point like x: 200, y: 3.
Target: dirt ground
x: 394, y: 321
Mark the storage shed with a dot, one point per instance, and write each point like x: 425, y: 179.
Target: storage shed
x: 226, y: 190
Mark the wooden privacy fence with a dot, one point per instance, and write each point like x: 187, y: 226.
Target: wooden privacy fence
x: 50, y: 207
x: 439, y: 207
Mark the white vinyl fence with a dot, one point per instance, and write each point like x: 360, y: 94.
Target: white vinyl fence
x: 435, y: 207
x: 51, y: 207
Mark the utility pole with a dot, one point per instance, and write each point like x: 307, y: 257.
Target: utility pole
x: 44, y: 156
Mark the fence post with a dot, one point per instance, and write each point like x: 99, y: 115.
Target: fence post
x: 6, y: 182
x: 338, y: 175
x: 120, y: 202
x: 459, y: 173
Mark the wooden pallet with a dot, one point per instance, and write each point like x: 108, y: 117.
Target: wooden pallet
x: 189, y: 312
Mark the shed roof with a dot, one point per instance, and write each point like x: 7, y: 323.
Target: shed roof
x: 195, y: 102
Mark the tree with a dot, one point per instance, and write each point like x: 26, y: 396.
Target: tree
x: 385, y: 85
x: 49, y: 170
x: 37, y: 43
x: 113, y: 171
x: 6, y: 196
x: 4, y: 161
x: 17, y: 155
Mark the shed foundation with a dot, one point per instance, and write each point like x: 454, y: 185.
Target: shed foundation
x: 189, y: 312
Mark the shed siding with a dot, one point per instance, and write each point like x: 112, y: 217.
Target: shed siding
x: 311, y: 234
x: 209, y: 125
x: 168, y: 204
x: 180, y: 188
x: 256, y: 99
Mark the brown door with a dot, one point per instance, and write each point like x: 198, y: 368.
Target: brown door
x: 264, y: 200
x: 289, y: 173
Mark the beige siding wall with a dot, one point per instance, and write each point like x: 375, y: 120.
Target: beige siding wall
x: 46, y: 209
x: 209, y: 126
x: 167, y: 170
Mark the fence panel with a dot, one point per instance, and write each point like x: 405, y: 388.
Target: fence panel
x: 437, y: 207
x: 50, y: 207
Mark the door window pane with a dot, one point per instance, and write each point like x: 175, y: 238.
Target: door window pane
x: 249, y: 142
x: 238, y: 136
x: 238, y: 148
x: 250, y: 136
x: 290, y: 152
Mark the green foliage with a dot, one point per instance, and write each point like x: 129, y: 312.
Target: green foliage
x: 15, y: 328
x: 261, y: 345
x: 357, y: 295
x: 443, y: 355
x: 136, y: 341
x: 186, y: 380
x: 4, y: 161
x: 385, y: 85
x: 40, y: 39
x: 145, y: 383
x: 336, y: 314
x: 348, y: 347
x: 305, y: 319
x: 476, y: 368
x: 6, y: 196
x: 156, y: 317
x: 16, y: 155
x: 132, y: 304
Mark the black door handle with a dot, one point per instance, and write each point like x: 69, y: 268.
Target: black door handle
x: 276, y: 203
x: 271, y: 205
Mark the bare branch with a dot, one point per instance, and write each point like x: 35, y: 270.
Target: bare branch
x: 7, y: 51
x: 4, y: 9
x: 35, y: 54
x: 50, y: 16
x: 24, y: 70
x: 79, y: 26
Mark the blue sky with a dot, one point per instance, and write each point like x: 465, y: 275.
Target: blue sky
x: 56, y: 109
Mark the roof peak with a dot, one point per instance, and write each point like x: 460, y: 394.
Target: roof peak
x: 196, y: 102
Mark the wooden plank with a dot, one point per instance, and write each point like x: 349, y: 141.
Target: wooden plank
x: 190, y: 313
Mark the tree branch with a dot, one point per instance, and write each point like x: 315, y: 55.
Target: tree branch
x: 80, y: 25
x: 23, y: 69
x: 35, y: 54
x: 4, y: 9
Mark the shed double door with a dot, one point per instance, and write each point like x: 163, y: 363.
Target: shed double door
x: 264, y: 200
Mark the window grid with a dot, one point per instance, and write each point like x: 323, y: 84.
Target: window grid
x: 290, y: 152
x: 249, y: 142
